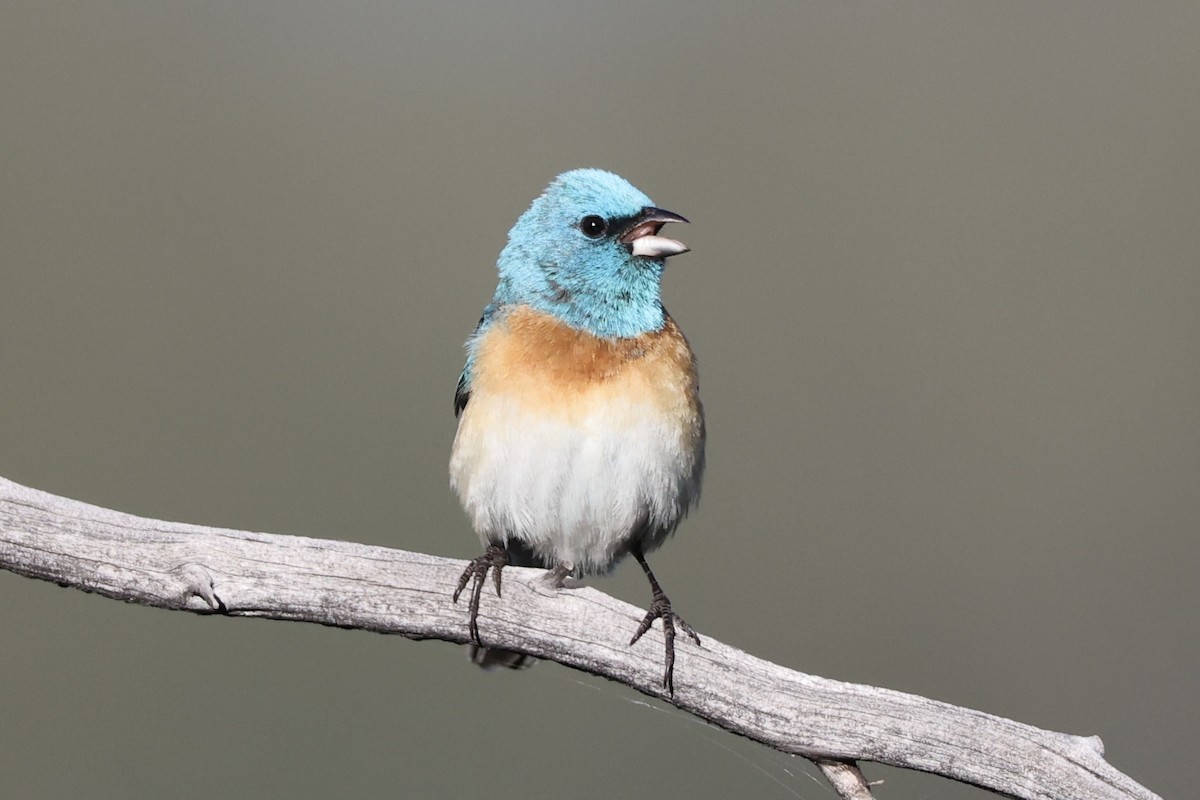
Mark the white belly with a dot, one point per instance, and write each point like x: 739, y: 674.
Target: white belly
x: 582, y: 487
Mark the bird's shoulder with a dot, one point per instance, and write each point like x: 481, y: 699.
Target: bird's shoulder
x: 462, y: 393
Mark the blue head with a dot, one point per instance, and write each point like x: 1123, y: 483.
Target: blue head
x: 588, y: 252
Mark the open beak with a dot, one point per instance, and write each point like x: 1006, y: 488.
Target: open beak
x: 642, y: 235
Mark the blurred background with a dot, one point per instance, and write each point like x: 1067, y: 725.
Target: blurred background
x: 944, y: 289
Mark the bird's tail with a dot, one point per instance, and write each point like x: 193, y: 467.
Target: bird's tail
x: 494, y: 658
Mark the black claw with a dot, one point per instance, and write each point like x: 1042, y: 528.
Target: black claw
x: 660, y: 608
x: 494, y: 558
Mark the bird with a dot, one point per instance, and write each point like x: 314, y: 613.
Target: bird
x: 580, y: 434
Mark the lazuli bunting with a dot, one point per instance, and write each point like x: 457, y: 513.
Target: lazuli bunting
x: 580, y: 430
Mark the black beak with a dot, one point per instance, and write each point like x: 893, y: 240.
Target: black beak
x: 642, y: 234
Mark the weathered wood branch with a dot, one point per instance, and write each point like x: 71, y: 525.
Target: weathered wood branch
x: 216, y: 571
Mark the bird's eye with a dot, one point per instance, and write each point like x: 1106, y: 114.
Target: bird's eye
x: 593, y: 226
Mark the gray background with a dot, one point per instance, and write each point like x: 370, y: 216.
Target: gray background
x: 944, y: 292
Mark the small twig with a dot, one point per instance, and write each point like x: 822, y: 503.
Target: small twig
x: 847, y: 779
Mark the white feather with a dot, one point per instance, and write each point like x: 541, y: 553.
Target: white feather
x: 580, y: 488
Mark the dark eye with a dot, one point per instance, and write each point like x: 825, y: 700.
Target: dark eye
x: 593, y: 226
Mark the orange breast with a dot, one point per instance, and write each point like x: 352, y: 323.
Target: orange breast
x: 553, y: 369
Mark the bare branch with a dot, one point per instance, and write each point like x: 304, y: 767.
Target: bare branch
x: 213, y: 570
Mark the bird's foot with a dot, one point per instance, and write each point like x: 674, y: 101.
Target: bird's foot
x: 660, y: 608
x: 556, y: 577
x: 494, y: 558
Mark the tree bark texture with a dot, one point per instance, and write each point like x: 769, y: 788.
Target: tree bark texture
x: 238, y: 573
